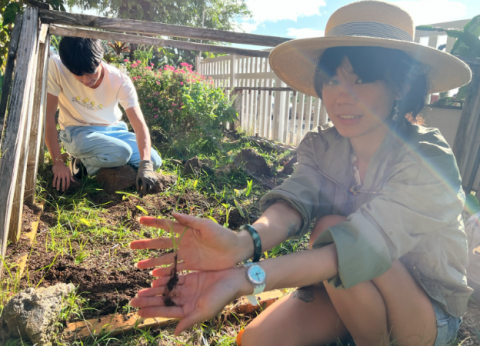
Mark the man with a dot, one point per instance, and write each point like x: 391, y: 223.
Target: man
x: 88, y: 92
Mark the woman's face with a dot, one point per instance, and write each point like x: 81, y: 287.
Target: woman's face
x: 354, y: 107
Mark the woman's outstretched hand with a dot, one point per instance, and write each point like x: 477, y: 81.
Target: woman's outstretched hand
x: 198, y: 296
x: 205, y: 245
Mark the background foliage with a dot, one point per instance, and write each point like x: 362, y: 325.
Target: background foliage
x: 212, y: 14
x: 466, y: 45
x: 182, y: 108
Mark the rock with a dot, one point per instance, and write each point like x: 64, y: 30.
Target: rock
x: 227, y: 169
x: 32, y: 313
x: 163, y: 182
x: 121, y: 178
x: 75, y: 184
x: 288, y: 167
x: 195, y: 166
x: 117, y: 178
x: 252, y: 162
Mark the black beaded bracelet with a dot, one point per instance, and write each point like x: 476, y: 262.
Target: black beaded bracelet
x: 257, y: 242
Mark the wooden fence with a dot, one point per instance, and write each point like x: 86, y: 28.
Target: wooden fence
x: 270, y: 110
x: 264, y: 102
x: 22, y: 105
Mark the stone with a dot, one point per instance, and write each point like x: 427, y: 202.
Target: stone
x: 252, y: 162
x: 121, y: 178
x: 163, y: 182
x: 31, y: 314
x: 225, y: 170
x: 195, y: 166
x: 117, y: 178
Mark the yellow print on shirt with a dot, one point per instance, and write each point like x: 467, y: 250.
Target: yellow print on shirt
x: 90, y: 105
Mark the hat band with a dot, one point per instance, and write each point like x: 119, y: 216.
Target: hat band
x: 371, y: 29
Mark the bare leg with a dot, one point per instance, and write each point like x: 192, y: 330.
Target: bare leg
x: 391, y: 304
x: 305, y: 317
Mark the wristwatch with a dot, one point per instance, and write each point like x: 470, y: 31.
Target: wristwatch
x: 257, y: 277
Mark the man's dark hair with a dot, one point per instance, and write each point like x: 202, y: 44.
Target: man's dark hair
x: 81, y: 55
x: 394, y: 67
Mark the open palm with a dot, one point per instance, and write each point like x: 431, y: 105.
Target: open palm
x: 205, y: 245
x: 198, y: 296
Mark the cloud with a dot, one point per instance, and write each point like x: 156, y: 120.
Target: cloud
x: 434, y: 11
x: 304, y: 33
x: 275, y: 10
x: 247, y: 27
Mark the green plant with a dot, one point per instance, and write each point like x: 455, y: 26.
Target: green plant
x: 182, y: 106
x: 119, y: 47
x: 466, y: 45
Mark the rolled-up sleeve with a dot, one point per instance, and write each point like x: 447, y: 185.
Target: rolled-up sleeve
x: 421, y: 197
x: 303, y: 191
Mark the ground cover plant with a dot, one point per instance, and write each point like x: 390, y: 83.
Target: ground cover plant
x: 184, y: 111
x: 84, y: 235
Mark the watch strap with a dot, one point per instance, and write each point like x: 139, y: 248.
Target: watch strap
x: 257, y: 242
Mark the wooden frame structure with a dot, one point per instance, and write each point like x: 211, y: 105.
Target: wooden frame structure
x: 24, y: 122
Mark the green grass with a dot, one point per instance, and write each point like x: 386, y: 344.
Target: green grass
x: 81, y: 224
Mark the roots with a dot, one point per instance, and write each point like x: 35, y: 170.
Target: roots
x: 171, y: 284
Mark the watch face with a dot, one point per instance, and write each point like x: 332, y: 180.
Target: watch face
x: 256, y: 274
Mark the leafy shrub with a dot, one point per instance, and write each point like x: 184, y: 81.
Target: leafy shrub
x: 183, y: 106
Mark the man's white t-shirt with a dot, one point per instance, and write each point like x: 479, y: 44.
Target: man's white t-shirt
x: 83, y: 106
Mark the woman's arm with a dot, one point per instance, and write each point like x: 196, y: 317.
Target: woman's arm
x: 202, y: 295
x: 209, y: 246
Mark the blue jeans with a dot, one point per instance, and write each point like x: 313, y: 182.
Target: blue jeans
x: 447, y: 325
x: 104, y: 146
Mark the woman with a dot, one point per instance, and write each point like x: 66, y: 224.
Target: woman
x: 388, y: 249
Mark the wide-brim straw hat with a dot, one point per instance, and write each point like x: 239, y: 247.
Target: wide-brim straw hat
x: 366, y: 23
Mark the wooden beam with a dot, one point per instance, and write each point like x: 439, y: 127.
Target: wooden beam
x: 38, y: 119
x: 151, y: 41
x: 17, y: 124
x: 7, y: 78
x: 142, y: 27
x: 116, y: 323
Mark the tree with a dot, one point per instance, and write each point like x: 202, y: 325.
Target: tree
x: 8, y: 12
x: 212, y: 14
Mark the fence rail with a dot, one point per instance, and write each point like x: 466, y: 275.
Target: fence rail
x: 266, y: 104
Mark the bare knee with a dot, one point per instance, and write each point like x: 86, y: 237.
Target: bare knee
x: 322, y: 225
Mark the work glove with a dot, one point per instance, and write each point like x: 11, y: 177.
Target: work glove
x: 146, y: 177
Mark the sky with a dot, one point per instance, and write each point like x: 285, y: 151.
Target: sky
x: 307, y: 18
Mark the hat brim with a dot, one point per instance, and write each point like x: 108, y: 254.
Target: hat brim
x: 295, y: 62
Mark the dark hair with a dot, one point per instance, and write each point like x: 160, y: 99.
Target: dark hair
x: 399, y: 71
x: 81, y: 55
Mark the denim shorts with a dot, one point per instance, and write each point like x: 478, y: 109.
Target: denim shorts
x: 447, y: 325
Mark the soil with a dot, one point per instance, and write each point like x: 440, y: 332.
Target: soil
x: 106, y: 277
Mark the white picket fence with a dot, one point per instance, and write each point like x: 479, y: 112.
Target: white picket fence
x: 271, y: 110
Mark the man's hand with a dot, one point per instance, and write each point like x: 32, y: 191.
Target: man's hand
x: 198, y: 296
x: 146, y: 177
x: 61, y: 176
x: 205, y: 245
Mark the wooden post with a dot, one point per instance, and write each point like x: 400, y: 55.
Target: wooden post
x: 278, y: 110
x: 323, y: 114
x: 7, y: 78
x: 468, y: 126
x: 38, y: 119
x: 17, y: 126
